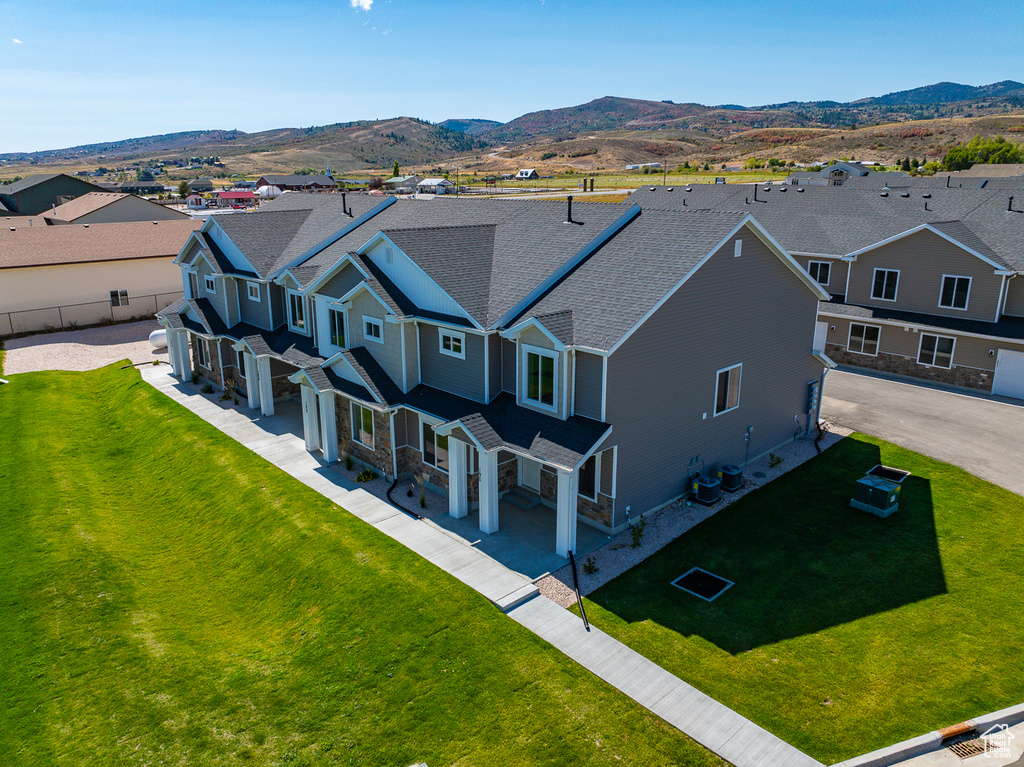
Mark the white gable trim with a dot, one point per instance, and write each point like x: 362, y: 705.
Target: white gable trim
x: 853, y: 256
x: 243, y: 346
x: 593, y: 451
x: 330, y: 273
x: 381, y: 237
x: 357, y: 289
x: 750, y: 223
x: 340, y: 365
x: 533, y: 322
x: 300, y: 374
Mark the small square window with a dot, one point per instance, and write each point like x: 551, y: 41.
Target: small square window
x: 884, y: 284
x: 210, y: 284
x: 820, y: 271
x: 373, y: 329
x: 119, y: 298
x: 727, y: 389
x: 254, y: 291
x: 955, y: 292
x: 453, y: 344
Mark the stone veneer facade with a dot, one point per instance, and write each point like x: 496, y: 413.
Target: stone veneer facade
x: 599, y: 511
x: 908, y: 366
x: 380, y: 457
x: 213, y: 372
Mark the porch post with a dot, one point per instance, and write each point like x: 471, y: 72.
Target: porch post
x: 266, y: 386
x: 489, y: 492
x: 565, y: 523
x: 252, y: 380
x: 310, y: 421
x: 328, y: 426
x: 177, y: 345
x: 458, y: 495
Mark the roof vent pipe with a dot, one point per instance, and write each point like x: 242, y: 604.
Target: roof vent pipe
x: 1009, y: 205
x: 568, y: 212
x: 926, y: 204
x: 344, y: 209
x: 755, y: 192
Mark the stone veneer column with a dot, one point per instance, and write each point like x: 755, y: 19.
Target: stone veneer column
x: 266, y: 386
x: 488, y: 492
x: 565, y: 523
x: 252, y: 380
x: 458, y: 493
x: 328, y: 426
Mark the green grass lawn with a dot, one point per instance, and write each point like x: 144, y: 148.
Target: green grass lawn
x: 843, y: 632
x: 167, y: 597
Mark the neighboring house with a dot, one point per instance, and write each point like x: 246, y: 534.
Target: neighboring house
x: 989, y: 170
x: 925, y: 282
x: 526, y: 174
x: 113, y: 207
x: 435, y: 186
x: 141, y: 187
x: 200, y: 185
x: 398, y: 183
x: 290, y: 183
x: 40, y: 194
x: 81, y: 274
x: 245, y: 199
x: 588, y: 354
x: 840, y: 173
x: 196, y: 202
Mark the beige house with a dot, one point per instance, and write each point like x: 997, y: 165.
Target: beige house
x: 113, y: 207
x: 82, y: 274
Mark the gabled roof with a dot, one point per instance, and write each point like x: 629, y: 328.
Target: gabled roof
x: 87, y: 203
x: 293, y: 180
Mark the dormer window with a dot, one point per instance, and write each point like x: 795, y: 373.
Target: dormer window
x: 297, y: 312
x: 540, y: 377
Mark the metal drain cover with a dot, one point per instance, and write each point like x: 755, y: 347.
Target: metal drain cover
x: 972, y: 747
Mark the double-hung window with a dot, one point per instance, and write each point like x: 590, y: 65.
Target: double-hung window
x: 955, y: 292
x: 362, y: 425
x: 337, y: 322
x: 820, y: 271
x: 884, y: 284
x: 296, y: 311
x: 435, y: 448
x: 863, y: 339
x: 373, y: 329
x: 453, y: 344
x: 588, y: 478
x: 935, y: 351
x: 119, y: 298
x: 540, y: 377
x: 727, y: 389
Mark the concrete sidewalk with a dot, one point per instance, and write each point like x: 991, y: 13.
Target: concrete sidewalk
x: 713, y: 725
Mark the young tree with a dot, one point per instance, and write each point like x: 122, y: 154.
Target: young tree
x: 394, y: 169
x: 183, y: 190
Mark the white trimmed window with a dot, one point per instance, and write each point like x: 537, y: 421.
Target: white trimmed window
x: 210, y: 284
x: 864, y: 339
x: 373, y: 329
x: 337, y: 322
x: 202, y: 351
x: 453, y: 343
x: 820, y: 271
x: 540, y: 377
x: 297, y: 312
x: 362, y: 425
x: 119, y: 298
x: 936, y: 351
x: 955, y: 292
x: 435, y: 447
x: 589, y: 481
x: 884, y: 284
x: 253, y: 289
x: 727, y: 389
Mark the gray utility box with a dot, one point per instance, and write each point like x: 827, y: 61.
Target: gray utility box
x: 732, y: 478
x: 707, y: 490
x: 875, y: 495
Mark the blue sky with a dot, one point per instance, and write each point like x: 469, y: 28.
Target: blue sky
x: 94, y: 70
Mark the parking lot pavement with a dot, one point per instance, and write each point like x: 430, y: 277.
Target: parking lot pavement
x: 983, y: 435
x: 82, y: 349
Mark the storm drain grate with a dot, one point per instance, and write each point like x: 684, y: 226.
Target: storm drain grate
x: 702, y: 584
x: 972, y: 747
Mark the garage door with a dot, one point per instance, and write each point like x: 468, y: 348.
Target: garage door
x: 1009, y: 378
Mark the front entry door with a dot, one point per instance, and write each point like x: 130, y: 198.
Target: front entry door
x: 530, y: 471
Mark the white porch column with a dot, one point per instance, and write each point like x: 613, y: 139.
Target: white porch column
x: 177, y: 344
x: 310, y: 419
x: 489, y: 492
x: 328, y: 426
x: 458, y: 494
x: 266, y: 386
x: 252, y: 380
x: 565, y: 523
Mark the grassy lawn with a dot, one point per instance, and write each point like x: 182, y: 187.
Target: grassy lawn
x: 167, y: 597
x: 843, y: 632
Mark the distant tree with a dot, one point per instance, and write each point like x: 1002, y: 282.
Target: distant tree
x: 995, y: 150
x: 686, y: 164
x: 905, y: 165
x: 143, y: 175
x: 376, y: 182
x: 183, y: 190
x: 707, y: 167
x: 394, y: 169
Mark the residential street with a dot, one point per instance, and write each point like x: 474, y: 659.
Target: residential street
x: 983, y: 436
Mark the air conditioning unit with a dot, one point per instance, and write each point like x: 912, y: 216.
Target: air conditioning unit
x: 875, y: 495
x: 731, y: 477
x: 707, y: 490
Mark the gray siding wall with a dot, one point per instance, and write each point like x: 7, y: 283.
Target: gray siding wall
x: 231, y: 300
x: 494, y: 360
x: 1015, y: 296
x: 412, y: 429
x: 450, y: 374
x: 400, y: 428
x: 131, y: 208
x: 508, y: 366
x: 836, y: 276
x: 607, y: 471
x: 388, y: 354
x: 342, y: 282
x: 411, y: 344
x: 589, y: 369
x: 278, y: 315
x: 922, y: 259
x: 661, y: 383
x: 217, y: 299
x: 254, y: 312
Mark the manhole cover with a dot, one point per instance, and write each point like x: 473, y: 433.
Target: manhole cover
x: 972, y: 747
x: 702, y: 584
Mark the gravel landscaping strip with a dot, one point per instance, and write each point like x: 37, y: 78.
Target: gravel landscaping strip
x: 82, y: 349
x: 664, y: 526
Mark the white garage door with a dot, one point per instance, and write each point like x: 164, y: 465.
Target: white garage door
x: 1009, y: 378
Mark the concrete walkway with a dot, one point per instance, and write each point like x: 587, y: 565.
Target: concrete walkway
x: 714, y: 726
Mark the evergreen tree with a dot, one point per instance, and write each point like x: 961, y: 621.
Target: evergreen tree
x: 394, y: 169
x: 183, y: 190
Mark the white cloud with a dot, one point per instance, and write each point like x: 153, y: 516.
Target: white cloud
x: 16, y: 40
x: 363, y: 5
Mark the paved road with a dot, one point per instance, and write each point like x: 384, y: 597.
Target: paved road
x: 981, y: 435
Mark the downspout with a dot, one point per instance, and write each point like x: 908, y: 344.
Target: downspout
x: 394, y: 449
x: 572, y: 395
x: 419, y: 367
x: 999, y: 302
x: 220, y: 360
x: 405, y: 362
x: 846, y: 293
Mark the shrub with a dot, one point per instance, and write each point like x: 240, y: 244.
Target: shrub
x: 637, y: 531
x: 774, y: 460
x: 366, y: 475
x: 547, y: 155
x: 195, y: 377
x: 590, y: 566
x: 348, y: 462
x: 207, y: 388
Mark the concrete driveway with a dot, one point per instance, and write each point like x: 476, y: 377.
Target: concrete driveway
x: 983, y: 435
